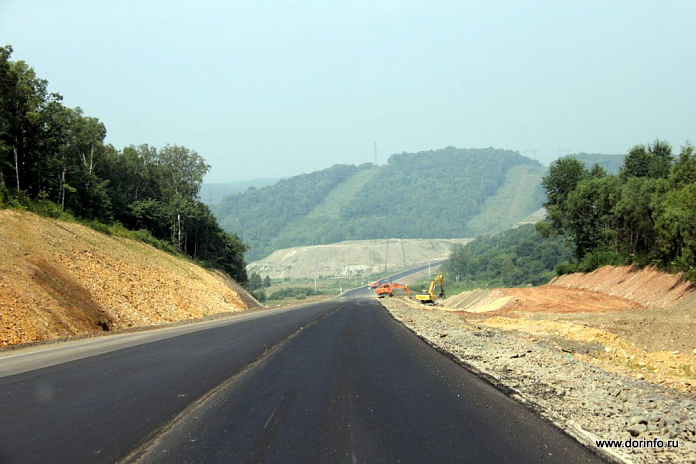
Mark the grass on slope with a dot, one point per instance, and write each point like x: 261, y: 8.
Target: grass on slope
x: 516, y: 199
x: 342, y: 195
x: 326, y: 211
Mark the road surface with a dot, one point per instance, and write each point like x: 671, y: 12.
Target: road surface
x: 367, y: 292
x: 335, y: 381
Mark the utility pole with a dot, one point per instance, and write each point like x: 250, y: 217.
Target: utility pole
x: 403, y: 253
x: 429, y: 276
x: 386, y: 259
x: 375, y: 152
x: 535, y: 151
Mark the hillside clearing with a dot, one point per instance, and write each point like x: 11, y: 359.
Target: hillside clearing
x: 352, y: 258
x: 517, y: 198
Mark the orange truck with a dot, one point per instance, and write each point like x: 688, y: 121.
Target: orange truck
x: 379, y: 282
x: 388, y: 289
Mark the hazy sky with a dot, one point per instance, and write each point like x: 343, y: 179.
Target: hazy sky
x: 271, y: 89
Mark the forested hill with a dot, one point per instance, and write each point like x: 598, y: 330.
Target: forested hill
x: 432, y: 194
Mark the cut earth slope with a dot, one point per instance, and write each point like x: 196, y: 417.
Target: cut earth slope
x: 60, y: 279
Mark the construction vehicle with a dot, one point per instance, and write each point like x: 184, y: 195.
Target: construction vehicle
x: 431, y: 297
x: 378, y: 283
x: 388, y: 289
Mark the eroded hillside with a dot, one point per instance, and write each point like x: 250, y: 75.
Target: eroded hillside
x: 643, y: 318
x: 352, y: 258
x: 60, y: 279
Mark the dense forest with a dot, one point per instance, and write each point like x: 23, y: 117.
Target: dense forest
x: 646, y: 214
x: 513, y: 258
x: 433, y: 194
x: 53, y: 160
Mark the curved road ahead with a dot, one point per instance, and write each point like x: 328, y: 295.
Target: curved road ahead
x: 367, y: 292
x: 336, y: 381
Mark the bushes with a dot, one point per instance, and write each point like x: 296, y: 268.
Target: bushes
x: 597, y: 259
x: 260, y: 295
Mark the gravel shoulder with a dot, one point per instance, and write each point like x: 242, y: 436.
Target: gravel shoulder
x: 583, y: 399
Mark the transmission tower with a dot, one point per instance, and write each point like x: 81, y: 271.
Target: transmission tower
x: 375, y: 151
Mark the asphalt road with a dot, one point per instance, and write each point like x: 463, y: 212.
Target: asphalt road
x: 336, y: 381
x: 367, y: 292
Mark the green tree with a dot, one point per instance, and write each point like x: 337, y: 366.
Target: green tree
x: 636, y: 213
x: 676, y: 230
x: 652, y: 161
x: 684, y: 170
x: 22, y: 97
x: 255, y: 282
x: 51, y: 152
x: 564, y: 175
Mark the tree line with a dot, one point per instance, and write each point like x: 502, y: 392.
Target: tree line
x: 431, y: 194
x: 644, y: 215
x: 52, y: 154
x: 516, y: 257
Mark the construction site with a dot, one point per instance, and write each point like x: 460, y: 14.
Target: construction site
x: 612, y: 350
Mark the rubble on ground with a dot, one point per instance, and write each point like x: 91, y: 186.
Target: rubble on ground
x: 587, y: 401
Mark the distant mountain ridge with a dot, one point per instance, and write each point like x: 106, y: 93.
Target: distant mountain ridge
x: 430, y: 194
x: 212, y: 193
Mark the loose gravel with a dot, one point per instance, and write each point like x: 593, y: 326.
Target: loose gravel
x: 584, y: 400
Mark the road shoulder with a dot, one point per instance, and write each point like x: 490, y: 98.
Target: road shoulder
x: 585, y: 401
x: 31, y: 356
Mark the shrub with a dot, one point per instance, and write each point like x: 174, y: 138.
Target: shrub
x: 260, y: 295
x: 597, y: 259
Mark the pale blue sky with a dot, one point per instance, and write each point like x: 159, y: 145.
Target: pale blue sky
x: 271, y: 89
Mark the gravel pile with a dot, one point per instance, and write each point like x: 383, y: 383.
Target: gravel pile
x: 585, y: 401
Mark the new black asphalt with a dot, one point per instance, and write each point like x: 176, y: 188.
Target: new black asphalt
x: 337, y: 381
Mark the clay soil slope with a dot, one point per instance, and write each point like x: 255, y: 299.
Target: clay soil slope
x: 60, y: 279
x: 636, y: 320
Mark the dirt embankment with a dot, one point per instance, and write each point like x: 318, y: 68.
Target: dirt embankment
x: 638, y: 322
x: 649, y: 287
x: 60, y: 279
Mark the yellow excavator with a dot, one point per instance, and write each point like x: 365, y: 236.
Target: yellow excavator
x: 431, y: 297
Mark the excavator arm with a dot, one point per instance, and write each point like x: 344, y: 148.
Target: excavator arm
x: 431, y: 297
x: 400, y: 285
x: 388, y: 289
